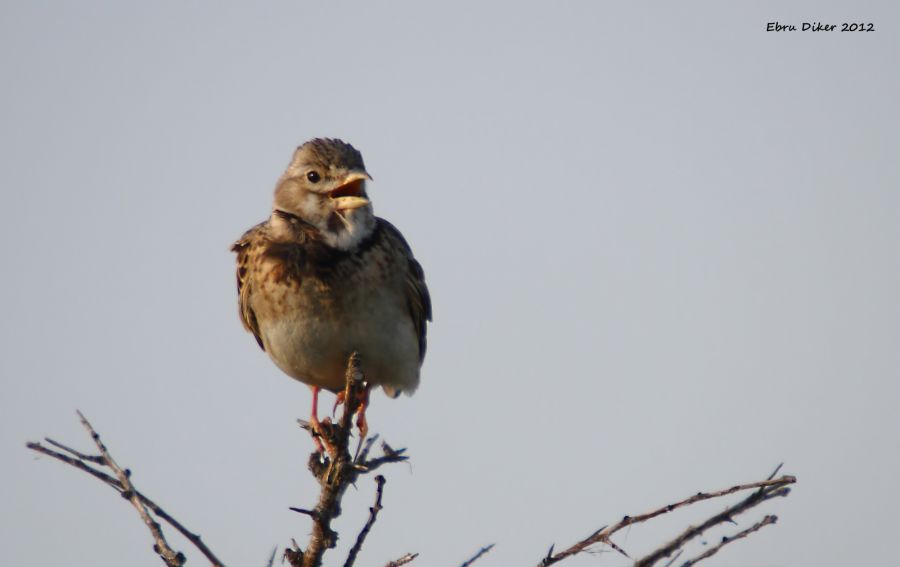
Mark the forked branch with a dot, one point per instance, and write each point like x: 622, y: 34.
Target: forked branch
x: 120, y: 480
x: 763, y: 491
x: 336, y: 470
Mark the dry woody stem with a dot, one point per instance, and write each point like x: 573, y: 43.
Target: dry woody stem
x: 762, y: 491
x: 336, y: 470
x: 120, y: 480
x: 477, y: 555
x: 402, y: 560
x: 373, y: 515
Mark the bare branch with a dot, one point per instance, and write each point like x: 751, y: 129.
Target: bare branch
x: 366, y: 449
x: 337, y: 470
x: 402, y: 560
x: 767, y: 489
x: 271, y: 561
x: 98, y: 459
x: 169, y: 556
x: 770, y: 519
x: 727, y: 516
x: 390, y: 455
x: 116, y: 484
x: 373, y: 515
x: 75, y: 463
x: 477, y: 555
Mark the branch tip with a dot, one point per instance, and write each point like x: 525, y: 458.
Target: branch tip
x: 478, y: 555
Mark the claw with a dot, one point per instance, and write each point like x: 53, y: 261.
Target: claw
x: 338, y: 400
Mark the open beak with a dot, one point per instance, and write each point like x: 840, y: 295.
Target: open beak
x: 350, y: 194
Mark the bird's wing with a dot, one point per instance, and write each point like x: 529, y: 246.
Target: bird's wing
x: 417, y: 298
x: 245, y: 249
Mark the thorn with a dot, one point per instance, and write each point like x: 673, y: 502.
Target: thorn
x: 311, y: 513
x: 778, y: 468
x: 617, y: 548
x: 598, y: 531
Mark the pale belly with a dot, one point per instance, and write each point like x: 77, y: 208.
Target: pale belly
x: 312, y: 345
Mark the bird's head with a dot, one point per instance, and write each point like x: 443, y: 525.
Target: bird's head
x: 325, y: 186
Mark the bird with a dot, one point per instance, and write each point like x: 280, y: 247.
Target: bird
x: 323, y: 277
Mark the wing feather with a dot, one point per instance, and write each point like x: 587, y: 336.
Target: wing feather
x: 417, y: 297
x: 245, y: 252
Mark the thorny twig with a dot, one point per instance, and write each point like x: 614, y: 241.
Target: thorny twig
x: 402, y: 560
x: 168, y: 555
x: 770, y: 519
x: 727, y: 516
x: 477, y: 555
x: 271, y: 561
x: 767, y: 489
x: 373, y: 515
x: 121, y: 482
x: 337, y: 470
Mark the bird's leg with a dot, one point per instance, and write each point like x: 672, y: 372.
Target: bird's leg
x: 314, y: 413
x: 360, y: 412
x: 361, y: 422
x: 317, y: 433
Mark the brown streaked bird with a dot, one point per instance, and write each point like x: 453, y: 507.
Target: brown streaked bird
x: 324, y: 277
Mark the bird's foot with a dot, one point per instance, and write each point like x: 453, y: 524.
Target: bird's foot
x: 322, y: 433
x: 361, y: 423
x: 363, y: 399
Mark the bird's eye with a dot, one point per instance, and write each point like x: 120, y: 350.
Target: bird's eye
x: 313, y: 177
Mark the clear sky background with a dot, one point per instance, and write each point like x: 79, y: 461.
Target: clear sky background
x: 663, y: 247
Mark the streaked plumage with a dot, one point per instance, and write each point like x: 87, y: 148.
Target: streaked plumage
x: 323, y: 277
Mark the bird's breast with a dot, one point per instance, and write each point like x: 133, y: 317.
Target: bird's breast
x: 312, y: 318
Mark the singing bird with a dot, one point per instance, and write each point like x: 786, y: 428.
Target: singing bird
x: 323, y: 277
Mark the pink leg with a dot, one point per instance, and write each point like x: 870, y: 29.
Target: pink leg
x: 314, y: 414
x: 361, y: 422
x: 314, y: 419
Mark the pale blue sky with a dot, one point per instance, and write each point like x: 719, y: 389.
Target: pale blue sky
x: 663, y: 247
